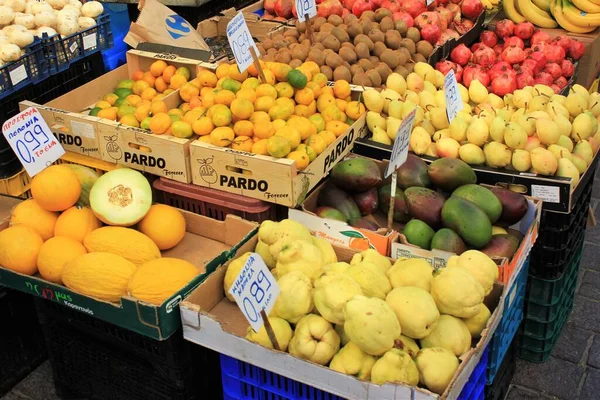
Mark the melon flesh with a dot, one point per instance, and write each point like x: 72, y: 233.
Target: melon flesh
x: 121, y: 197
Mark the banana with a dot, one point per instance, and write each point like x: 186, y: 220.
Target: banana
x: 586, y: 5
x: 543, y: 4
x: 557, y: 12
x: 535, y: 15
x: 574, y: 15
x: 497, y: 2
x: 511, y: 12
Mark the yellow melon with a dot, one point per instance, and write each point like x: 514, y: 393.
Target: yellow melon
x: 54, y: 254
x: 56, y: 188
x: 163, y: 224
x: 19, y: 248
x: 29, y: 213
x: 157, y: 280
x: 76, y: 222
x: 125, y: 242
x: 103, y: 276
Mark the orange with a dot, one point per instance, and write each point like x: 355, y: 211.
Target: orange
x: 129, y: 120
x: 281, y: 71
x: 134, y: 99
x: 317, y: 142
x: 108, y: 113
x: 149, y: 78
x: 327, y: 90
x: 328, y: 136
x: 260, y: 147
x: 222, y: 70
x: 246, y: 94
x: 266, y: 90
x: 284, y: 89
x: 278, y: 123
x: 308, y: 150
x: 270, y: 77
x: 304, y: 96
x: 184, y: 72
x: 278, y: 146
x: 291, y: 134
x: 332, y: 113
x: 204, y: 139
x: 224, y: 97
x: 312, y: 67
x: 158, y: 106
x: 176, y: 111
x: 302, y: 111
x: 253, y: 71
x: 251, y: 83
x: 280, y: 112
x: 140, y: 86
x: 158, y: 67
x: 320, y: 79
x: 142, y: 112
x: 220, y: 114
x: 242, y: 109
x: 208, y: 99
x: 185, y: 107
x: 341, y: 104
x: 259, y: 116
x: 242, y: 143
x: 188, y: 91
x: 137, y: 75
x: 355, y: 109
x: 316, y: 89
x: 203, y: 126
x: 303, y: 125
x: 148, y: 94
x: 325, y: 100
x: 234, y: 73
x: 168, y: 73
x: 359, y: 243
x: 222, y: 136
x: 264, y: 129
x: 207, y: 79
x: 312, y: 107
x: 110, y: 98
x: 341, y: 89
x: 301, y: 159
x: 182, y: 129
x: 177, y: 81
x: 195, y: 102
x: 192, y: 116
x: 163, y: 224
x: 160, y: 123
x: 337, y: 127
x: 243, y: 128
x: 264, y: 103
x: 160, y: 84
x: 103, y: 104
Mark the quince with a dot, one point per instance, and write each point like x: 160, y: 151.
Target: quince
x: 450, y: 333
x: 371, y: 324
x: 343, y: 337
x: 372, y: 281
x: 483, y: 268
x: 396, y: 366
x: 314, y: 340
x: 332, y: 292
x: 436, y: 368
x: 415, y: 309
x: 295, y: 298
x: 281, y: 328
x: 262, y: 249
x: 279, y: 234
x: 339, y: 267
x: 233, y: 270
x: 373, y: 257
x: 328, y: 254
x: 300, y: 255
x: 351, y: 360
x: 457, y: 292
x: 477, y: 323
x: 407, y: 344
x: 411, y: 272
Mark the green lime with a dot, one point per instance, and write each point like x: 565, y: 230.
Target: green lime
x: 125, y: 84
x: 123, y: 92
x: 231, y: 84
x: 94, y: 111
x: 297, y: 79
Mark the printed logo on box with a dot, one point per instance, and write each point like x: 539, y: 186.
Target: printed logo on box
x: 177, y: 26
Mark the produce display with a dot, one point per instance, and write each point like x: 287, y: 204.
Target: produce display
x: 578, y: 16
x: 514, y: 56
x: 380, y: 322
x: 23, y: 20
x: 60, y: 234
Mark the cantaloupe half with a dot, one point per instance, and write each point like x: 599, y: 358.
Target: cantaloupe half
x: 87, y: 177
x: 121, y: 197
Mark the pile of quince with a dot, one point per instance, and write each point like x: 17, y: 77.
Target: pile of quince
x: 403, y: 323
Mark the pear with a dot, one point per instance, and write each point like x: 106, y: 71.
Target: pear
x: 477, y: 92
x: 466, y: 115
x: 508, y: 100
x: 554, y: 108
x: 381, y: 136
x: 431, y: 151
x: 558, y: 151
x: 564, y: 125
x: 414, y: 82
x: 578, y: 162
x: 527, y: 123
x: 427, y: 125
x: 537, y: 103
x: 543, y: 161
x: 514, y: 136
x: 497, y: 128
x: 441, y: 134
x: 375, y: 119
x: 531, y: 91
x: 458, y: 129
x: 393, y: 124
x: 594, y: 121
x: 515, y: 116
x: 426, y: 100
x: 440, y: 99
x: 506, y: 113
x: 521, y: 98
x: 496, y: 101
x: 407, y: 107
x: 425, y: 71
x: 429, y: 87
x: 438, y: 118
x: 584, y: 150
x: 471, y: 154
x: 396, y: 82
x: 565, y: 142
x: 478, y: 132
x: 464, y: 92
x: 594, y: 103
x: 389, y: 96
x: 411, y: 96
x: 497, y: 154
x: 543, y: 90
x: 547, y: 130
x: 419, y: 115
x: 419, y: 140
x: 568, y: 170
x: 532, y: 143
x: 373, y: 100
x: 575, y: 104
x: 580, y: 90
x: 583, y: 127
x: 539, y: 114
x: 395, y: 109
x: 440, y: 79
x: 558, y: 98
x: 521, y: 160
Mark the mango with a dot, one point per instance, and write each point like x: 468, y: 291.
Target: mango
x: 483, y: 198
x: 468, y: 220
x: 447, y: 240
x: 330, y: 213
x: 413, y: 173
x: 400, y: 206
x: 364, y: 223
x: 425, y: 204
x: 418, y: 233
x: 356, y: 175
x: 449, y: 173
x: 501, y: 246
x: 514, y: 205
x: 367, y: 202
x: 336, y: 198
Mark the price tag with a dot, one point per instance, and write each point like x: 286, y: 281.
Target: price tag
x: 89, y: 41
x: 304, y: 7
x: 429, y: 2
x: 549, y: 194
x: 18, y: 74
x: 400, y: 149
x: 254, y: 290
x: 73, y: 47
x: 453, y: 100
x: 32, y: 141
x: 240, y: 41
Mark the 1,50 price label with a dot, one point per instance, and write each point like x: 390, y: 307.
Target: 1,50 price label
x: 240, y: 41
x: 254, y: 290
x: 32, y: 141
x: 454, y: 102
x: 305, y: 7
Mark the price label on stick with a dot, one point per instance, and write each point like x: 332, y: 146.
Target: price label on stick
x: 240, y: 41
x: 32, y: 141
x: 454, y: 102
x: 255, y: 290
x: 400, y: 149
x: 305, y: 7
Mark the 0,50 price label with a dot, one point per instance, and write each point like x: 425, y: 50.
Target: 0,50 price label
x: 32, y: 141
x: 306, y: 7
x: 254, y: 290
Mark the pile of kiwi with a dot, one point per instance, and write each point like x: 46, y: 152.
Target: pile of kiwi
x: 363, y: 51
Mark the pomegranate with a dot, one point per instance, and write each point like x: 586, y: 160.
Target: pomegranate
x: 376, y: 4
x: 445, y: 14
x: 540, y: 60
x: 360, y: 6
x: 524, y: 30
x: 554, y: 53
x: 561, y: 82
x: 283, y: 8
x: 459, y: 73
x: 529, y: 65
x: 269, y: 6
x: 524, y: 78
x: 348, y: 4
x: 576, y: 50
x: 403, y: 16
x: 567, y: 68
x: 327, y: 8
x: 562, y: 41
x: 445, y: 66
x: 455, y: 8
x: 484, y: 56
x: 498, y: 49
x: 471, y: 8
x: 543, y: 78
x: 464, y: 26
x: 488, y: 38
x: 505, y: 28
x: 414, y: 7
x: 513, y: 55
x: 514, y: 41
x: 447, y: 35
x: 504, y: 84
x: 461, y: 55
x: 469, y: 73
x: 392, y: 5
x: 475, y: 46
x: 553, y: 69
x: 555, y: 87
x: 431, y: 33
x: 539, y: 36
x: 501, y: 68
x: 482, y: 77
x: 431, y: 18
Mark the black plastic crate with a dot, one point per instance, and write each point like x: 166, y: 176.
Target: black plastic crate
x: 96, y: 360
x: 29, y: 69
x: 22, y: 346
x: 499, y: 387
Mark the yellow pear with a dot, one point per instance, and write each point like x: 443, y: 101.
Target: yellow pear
x: 497, y: 154
x: 426, y: 100
x: 565, y: 142
x: 438, y: 118
x: 559, y: 98
x: 497, y: 129
x: 521, y: 161
x: 441, y: 134
x: 458, y: 129
x: 440, y: 99
x: 375, y: 119
x: 594, y: 104
x: 521, y: 98
x: 543, y: 161
x: 582, y: 127
x: 537, y: 103
x: 425, y: 71
x: 395, y: 109
x: 514, y: 136
x: 576, y: 104
x: 393, y: 124
x: 578, y: 162
x: 389, y: 96
x: 478, y: 132
x: 440, y: 79
x: 414, y: 82
x: 373, y: 100
x: 584, y: 150
x: 411, y: 96
x: 580, y: 90
x: 568, y: 170
x: 564, y: 125
x: 427, y: 125
x: 558, y: 151
x: 543, y: 90
x: 496, y: 101
x: 477, y: 92
x: 429, y: 87
x: 554, y: 108
x: 381, y: 136
x: 471, y: 154
x: 419, y: 140
x: 396, y: 82
x: 547, y: 131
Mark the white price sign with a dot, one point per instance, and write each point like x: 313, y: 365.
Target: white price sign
x: 254, y: 290
x: 400, y: 149
x: 454, y: 102
x: 240, y: 41
x: 32, y: 141
x: 306, y: 7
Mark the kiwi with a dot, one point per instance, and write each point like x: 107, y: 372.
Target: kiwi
x: 376, y: 35
x: 306, y: 42
x: 291, y: 40
x: 301, y: 26
x: 425, y: 48
x: 327, y: 71
x: 386, y: 24
x: 350, y: 18
x: 346, y: 64
x: 419, y: 58
x: 302, y: 38
x: 332, y: 43
x: 390, y: 58
x: 261, y: 49
x: 356, y: 69
x: 413, y: 34
x: 326, y: 52
x: 333, y: 60
x: 347, y: 44
x: 280, y: 44
x: 400, y: 26
x: 383, y: 70
x: 409, y: 45
x: 375, y: 25
x: 361, y: 79
x: 318, y: 46
x: 362, y: 50
x: 277, y: 37
x: 335, y: 20
x: 407, y: 54
x: 370, y: 15
x: 401, y: 69
x: 267, y: 44
x: 410, y: 67
x: 272, y: 52
x: 374, y: 59
x: 326, y: 27
x: 340, y: 34
x: 295, y: 63
x: 374, y: 77
x: 342, y: 73
x: 317, y: 23
x: 292, y: 33
x: 367, y: 25
x: 317, y: 56
x: 283, y: 56
x: 354, y: 29
x: 378, y: 49
x: 381, y: 13
x: 362, y: 38
x: 343, y: 27
x: 268, y: 57
x: 403, y: 58
x: 300, y: 52
x: 392, y: 39
x: 348, y: 55
x: 365, y: 64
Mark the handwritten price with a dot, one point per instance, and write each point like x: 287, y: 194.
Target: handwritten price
x: 305, y: 7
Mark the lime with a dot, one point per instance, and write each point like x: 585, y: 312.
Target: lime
x: 231, y: 84
x: 94, y: 111
x: 123, y: 92
x: 125, y: 84
x: 297, y: 79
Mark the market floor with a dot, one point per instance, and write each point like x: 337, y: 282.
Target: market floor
x: 571, y: 373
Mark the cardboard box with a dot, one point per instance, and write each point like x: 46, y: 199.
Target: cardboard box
x: 258, y: 8
x: 207, y: 244
x: 212, y: 321
x: 275, y: 180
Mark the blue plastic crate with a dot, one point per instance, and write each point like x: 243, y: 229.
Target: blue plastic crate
x: 509, y: 324
x: 119, y: 25
x: 30, y: 68
x: 475, y: 387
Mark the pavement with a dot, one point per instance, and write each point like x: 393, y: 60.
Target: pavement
x: 571, y: 373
